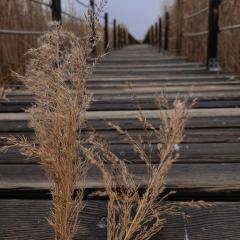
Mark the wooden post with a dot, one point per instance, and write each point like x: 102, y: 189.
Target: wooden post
x: 156, y: 34
x: 160, y: 34
x: 213, y: 30
x: 152, y: 35
x: 114, y: 34
x: 106, y: 40
x: 92, y: 9
x: 166, y: 33
x: 56, y: 11
x: 119, y: 37
x: 179, y: 27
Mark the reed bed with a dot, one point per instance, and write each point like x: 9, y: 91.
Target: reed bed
x: 229, y: 41
x: 27, y: 15
x: 19, y: 15
x: 195, y: 47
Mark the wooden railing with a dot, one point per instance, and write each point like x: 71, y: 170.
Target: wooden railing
x: 120, y: 33
x: 158, y: 34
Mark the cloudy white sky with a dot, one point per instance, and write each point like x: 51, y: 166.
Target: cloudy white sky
x: 137, y: 14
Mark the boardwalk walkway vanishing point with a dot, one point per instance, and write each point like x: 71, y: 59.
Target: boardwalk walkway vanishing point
x: 208, y: 167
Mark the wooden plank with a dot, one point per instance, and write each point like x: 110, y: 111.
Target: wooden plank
x: 122, y: 104
x: 202, y: 135
x: 223, y: 179
x: 154, y: 114
x: 199, y: 118
x: 189, y: 153
x: 101, y: 124
x: 26, y: 219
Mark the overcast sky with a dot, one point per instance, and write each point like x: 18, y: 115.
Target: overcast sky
x: 137, y: 14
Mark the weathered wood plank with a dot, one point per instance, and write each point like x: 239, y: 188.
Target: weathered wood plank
x: 214, y: 135
x: 122, y: 104
x: 189, y: 153
x: 27, y: 219
x: 196, y: 178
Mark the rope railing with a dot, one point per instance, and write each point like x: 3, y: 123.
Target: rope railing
x: 71, y: 16
x: 196, y: 34
x: 82, y: 4
x: 229, y: 28
x: 41, y: 3
x: 167, y: 35
x: 204, y: 10
x: 20, y: 32
x: 120, y: 34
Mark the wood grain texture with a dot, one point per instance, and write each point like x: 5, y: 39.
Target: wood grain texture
x: 26, y: 219
x: 222, y: 178
x: 189, y: 153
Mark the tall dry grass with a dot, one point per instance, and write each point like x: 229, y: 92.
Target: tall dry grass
x: 132, y: 216
x: 56, y: 74
x: 27, y: 15
x: 195, y: 47
x: 19, y: 15
x: 229, y: 41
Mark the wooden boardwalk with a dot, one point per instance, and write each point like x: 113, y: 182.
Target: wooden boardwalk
x: 208, y: 169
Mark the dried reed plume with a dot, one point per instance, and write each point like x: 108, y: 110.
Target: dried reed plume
x: 57, y: 75
x: 130, y: 215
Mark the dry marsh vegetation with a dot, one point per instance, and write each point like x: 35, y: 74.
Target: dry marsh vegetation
x: 229, y: 41
x: 56, y: 74
x: 132, y: 216
x: 195, y: 47
x: 29, y: 16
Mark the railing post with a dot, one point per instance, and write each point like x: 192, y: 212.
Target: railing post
x: 106, y: 41
x: 56, y: 11
x: 92, y: 9
x: 213, y: 29
x: 119, y: 36
x: 160, y: 34
x: 114, y: 34
x: 156, y: 34
x: 166, y: 32
x: 179, y: 27
x: 152, y: 35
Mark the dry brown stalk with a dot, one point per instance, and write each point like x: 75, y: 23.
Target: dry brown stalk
x: 130, y: 215
x: 57, y: 75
